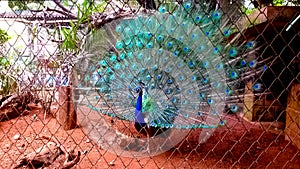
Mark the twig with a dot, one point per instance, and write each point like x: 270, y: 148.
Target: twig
x: 53, y: 139
x: 61, y: 6
x: 68, y: 164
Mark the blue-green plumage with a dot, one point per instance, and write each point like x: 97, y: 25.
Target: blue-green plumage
x: 183, y: 61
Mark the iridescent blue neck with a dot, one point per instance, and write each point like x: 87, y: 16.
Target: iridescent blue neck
x: 138, y: 109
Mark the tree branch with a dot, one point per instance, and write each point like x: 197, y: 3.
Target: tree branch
x: 61, y: 6
x: 71, y: 15
x: 100, y: 19
x: 62, y: 12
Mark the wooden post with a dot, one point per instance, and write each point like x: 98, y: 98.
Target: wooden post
x: 292, y: 129
x: 249, y: 101
x: 67, y: 116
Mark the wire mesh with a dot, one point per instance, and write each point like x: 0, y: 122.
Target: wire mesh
x: 149, y: 84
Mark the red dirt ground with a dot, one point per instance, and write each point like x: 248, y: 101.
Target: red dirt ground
x: 239, y: 144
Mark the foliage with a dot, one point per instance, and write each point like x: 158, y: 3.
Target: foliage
x: 7, y: 84
x: 71, y: 41
x: 22, y: 4
x: 286, y: 2
x: 3, y: 36
x: 4, y: 63
x: 278, y: 2
x: 250, y: 10
x: 85, y: 10
x: 247, y: 11
x: 7, y: 81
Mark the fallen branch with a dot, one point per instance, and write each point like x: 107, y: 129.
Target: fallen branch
x: 46, y: 155
x: 71, y: 158
x: 42, y: 157
x: 15, y: 105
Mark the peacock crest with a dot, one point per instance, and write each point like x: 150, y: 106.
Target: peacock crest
x: 166, y: 69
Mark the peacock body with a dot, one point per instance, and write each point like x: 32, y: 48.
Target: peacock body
x: 166, y: 69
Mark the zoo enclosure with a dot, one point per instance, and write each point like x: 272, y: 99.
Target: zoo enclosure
x: 273, y: 130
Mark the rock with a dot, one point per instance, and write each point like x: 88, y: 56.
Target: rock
x: 16, y: 137
x: 112, y: 163
x: 88, y: 140
x: 6, y: 146
x: 34, y: 117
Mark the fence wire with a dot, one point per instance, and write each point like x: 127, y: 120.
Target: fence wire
x: 149, y: 84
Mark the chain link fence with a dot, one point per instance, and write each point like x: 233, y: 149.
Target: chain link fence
x: 149, y: 84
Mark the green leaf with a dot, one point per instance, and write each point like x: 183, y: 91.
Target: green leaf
x: 78, y: 11
x: 72, y: 24
x: 66, y: 2
x: 100, y: 7
x: 65, y: 32
x: 3, y: 36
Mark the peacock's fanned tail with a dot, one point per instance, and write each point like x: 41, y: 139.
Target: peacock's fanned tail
x: 182, y: 59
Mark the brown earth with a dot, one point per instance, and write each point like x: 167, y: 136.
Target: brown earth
x: 239, y: 144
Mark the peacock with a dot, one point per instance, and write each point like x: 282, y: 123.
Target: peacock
x: 173, y: 68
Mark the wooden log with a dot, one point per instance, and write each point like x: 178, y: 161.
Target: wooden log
x: 67, y: 116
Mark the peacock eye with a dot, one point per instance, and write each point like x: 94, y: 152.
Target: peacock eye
x: 234, y: 108
x: 176, y: 53
x: 252, y: 64
x: 162, y: 9
x: 243, y: 62
x: 187, y: 6
x: 257, y: 86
